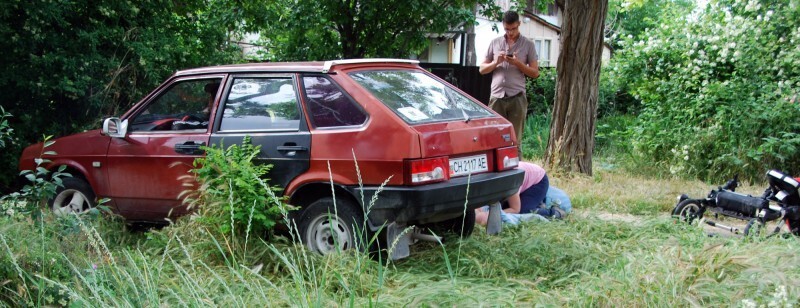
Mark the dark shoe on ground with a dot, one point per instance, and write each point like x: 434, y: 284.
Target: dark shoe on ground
x: 557, y: 212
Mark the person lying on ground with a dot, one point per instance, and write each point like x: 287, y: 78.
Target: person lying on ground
x: 532, y: 198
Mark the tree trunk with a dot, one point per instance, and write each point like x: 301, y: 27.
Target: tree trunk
x: 572, y: 129
x: 470, y: 37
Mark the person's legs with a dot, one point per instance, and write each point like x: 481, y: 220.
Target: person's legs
x: 532, y: 197
x: 499, y: 105
x: 559, y: 197
x: 516, y: 112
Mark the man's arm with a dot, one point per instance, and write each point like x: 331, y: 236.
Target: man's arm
x: 531, y: 69
x: 489, y: 66
x: 514, y: 204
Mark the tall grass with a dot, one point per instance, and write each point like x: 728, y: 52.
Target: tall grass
x: 535, y: 135
x: 582, y: 261
x: 619, y: 248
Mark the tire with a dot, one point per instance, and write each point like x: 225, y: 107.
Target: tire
x: 755, y: 228
x: 327, y: 227
x: 688, y: 210
x: 75, y: 196
x: 463, y: 226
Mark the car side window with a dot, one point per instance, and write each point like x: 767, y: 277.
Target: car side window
x: 185, y: 105
x: 261, y: 104
x: 329, y: 106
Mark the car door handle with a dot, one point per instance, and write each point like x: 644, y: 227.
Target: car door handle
x: 292, y: 148
x: 190, y: 148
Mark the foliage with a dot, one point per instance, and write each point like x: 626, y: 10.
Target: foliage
x: 235, y: 195
x: 327, y: 29
x: 66, y: 64
x: 541, y: 92
x: 5, y: 128
x: 613, y: 98
x: 718, y: 90
x: 630, y: 18
x: 41, y: 186
x: 535, y: 135
x: 8, y: 147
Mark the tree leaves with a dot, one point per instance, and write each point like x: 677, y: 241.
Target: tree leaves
x: 334, y: 29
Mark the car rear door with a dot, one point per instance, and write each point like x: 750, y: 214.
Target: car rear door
x: 148, y: 169
x: 266, y: 108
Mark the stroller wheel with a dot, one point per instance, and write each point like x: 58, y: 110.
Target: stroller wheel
x: 688, y: 210
x: 755, y: 228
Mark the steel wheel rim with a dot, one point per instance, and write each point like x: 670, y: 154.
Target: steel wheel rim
x: 70, y: 201
x: 329, y: 234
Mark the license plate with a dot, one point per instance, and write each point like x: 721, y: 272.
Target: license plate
x: 466, y: 165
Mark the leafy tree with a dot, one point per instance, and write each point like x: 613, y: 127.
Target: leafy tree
x: 66, y: 64
x: 333, y: 29
x: 633, y: 17
x: 719, y: 90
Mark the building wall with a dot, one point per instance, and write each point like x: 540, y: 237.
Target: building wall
x: 440, y: 51
x: 542, y: 36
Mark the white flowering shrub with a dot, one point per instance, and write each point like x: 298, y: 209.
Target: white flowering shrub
x: 719, y: 89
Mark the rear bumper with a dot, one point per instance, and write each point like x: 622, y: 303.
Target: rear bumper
x: 439, y: 201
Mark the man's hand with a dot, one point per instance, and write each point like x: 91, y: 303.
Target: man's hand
x: 512, y: 59
x: 500, y: 57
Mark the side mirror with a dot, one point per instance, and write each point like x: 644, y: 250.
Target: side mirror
x: 115, y: 128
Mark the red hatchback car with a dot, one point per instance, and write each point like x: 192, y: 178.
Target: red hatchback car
x: 401, y: 122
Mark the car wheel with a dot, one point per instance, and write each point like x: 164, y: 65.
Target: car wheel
x: 75, y: 196
x: 462, y: 225
x: 327, y: 227
x: 688, y: 210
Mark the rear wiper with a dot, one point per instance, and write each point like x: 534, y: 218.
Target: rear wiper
x: 466, y: 116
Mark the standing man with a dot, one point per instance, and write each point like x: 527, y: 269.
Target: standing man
x: 510, y: 58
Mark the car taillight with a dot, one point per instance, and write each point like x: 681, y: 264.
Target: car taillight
x: 506, y: 158
x: 427, y: 170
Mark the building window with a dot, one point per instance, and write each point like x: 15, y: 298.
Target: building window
x: 543, y: 50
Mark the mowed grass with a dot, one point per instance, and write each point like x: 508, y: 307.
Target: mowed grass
x: 590, y: 259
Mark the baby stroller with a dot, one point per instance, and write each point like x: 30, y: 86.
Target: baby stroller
x: 780, y: 200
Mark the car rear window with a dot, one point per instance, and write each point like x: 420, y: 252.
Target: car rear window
x: 329, y: 106
x: 418, y: 98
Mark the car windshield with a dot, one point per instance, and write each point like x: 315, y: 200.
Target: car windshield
x: 418, y: 98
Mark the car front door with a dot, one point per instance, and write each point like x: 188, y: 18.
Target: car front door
x: 148, y: 169
x: 266, y: 108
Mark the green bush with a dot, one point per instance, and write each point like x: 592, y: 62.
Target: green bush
x: 541, y: 92
x: 613, y: 97
x: 234, y: 192
x: 718, y: 90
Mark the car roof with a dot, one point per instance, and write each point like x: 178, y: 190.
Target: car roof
x: 314, y: 67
